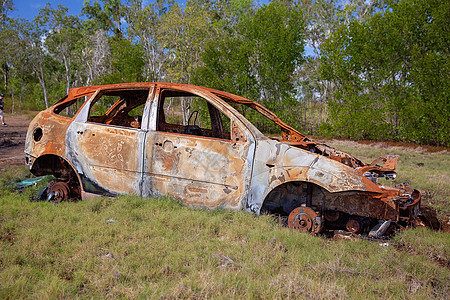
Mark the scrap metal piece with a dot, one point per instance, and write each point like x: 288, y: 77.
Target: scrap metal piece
x: 41, y: 195
x: 59, y: 192
x: 26, y: 182
x: 353, y: 226
x: 380, y: 229
x: 305, y: 219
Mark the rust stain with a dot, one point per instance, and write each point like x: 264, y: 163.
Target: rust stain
x: 170, y: 161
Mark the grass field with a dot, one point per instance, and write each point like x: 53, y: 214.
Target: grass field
x: 129, y: 247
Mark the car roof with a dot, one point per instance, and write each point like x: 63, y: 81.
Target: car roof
x: 87, y: 90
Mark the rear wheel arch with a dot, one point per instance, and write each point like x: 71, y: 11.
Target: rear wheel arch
x: 50, y: 164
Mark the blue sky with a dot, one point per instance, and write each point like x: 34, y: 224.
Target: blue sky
x: 28, y: 9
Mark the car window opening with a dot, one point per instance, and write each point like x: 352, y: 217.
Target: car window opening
x: 119, y: 108
x: 185, y: 113
x: 69, y: 109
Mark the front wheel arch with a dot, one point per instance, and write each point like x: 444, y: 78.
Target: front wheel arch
x: 285, y: 197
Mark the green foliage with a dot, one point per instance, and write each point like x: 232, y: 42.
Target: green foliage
x: 392, y: 74
x: 126, y: 62
x: 372, y: 69
x: 257, y: 59
x: 106, y: 17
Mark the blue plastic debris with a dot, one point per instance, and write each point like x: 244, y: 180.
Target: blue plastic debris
x: 27, y: 182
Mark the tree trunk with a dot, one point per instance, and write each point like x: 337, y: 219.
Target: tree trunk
x: 20, y: 96
x: 42, y: 81
x: 67, y: 66
x: 12, y: 98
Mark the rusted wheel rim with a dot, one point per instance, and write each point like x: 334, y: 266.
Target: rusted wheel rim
x: 60, y: 191
x: 353, y: 226
x: 305, y: 219
x: 332, y: 215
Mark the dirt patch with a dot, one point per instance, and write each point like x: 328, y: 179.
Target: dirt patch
x: 430, y: 219
x: 390, y: 144
x: 12, y: 141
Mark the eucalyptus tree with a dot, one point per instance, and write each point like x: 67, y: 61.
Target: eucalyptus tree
x: 5, y: 33
x: 144, y: 23
x: 93, y: 60
x: 6, y: 53
x: 6, y: 6
x: 61, y: 37
x: 184, y: 32
x: 106, y: 15
x: 32, y: 33
x: 19, y: 58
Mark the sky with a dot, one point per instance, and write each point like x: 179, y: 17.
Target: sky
x: 28, y: 9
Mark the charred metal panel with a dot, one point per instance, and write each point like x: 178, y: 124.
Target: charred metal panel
x: 285, y: 197
x: 199, y: 171
x: 277, y: 163
x: 362, y: 205
x: 110, y: 157
x: 52, y: 139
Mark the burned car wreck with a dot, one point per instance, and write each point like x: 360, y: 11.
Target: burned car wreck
x: 193, y: 144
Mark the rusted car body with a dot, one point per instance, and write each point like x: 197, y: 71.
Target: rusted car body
x: 193, y: 144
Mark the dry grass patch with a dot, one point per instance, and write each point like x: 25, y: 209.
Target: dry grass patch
x: 157, y: 248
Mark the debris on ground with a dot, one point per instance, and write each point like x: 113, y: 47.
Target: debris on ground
x: 19, y: 186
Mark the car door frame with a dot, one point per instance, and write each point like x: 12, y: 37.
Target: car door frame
x: 95, y: 181
x: 153, y: 185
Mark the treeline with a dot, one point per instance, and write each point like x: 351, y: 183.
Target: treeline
x: 362, y: 69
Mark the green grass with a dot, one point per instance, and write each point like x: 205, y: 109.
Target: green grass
x: 157, y: 248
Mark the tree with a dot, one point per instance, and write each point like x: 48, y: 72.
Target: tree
x: 392, y: 73
x: 144, y: 25
x: 5, y: 8
x: 5, y: 39
x: 61, y: 36
x: 184, y: 34
x: 19, y: 59
x: 32, y: 34
x: 126, y: 61
x: 257, y: 59
x: 106, y: 17
x: 94, y: 56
